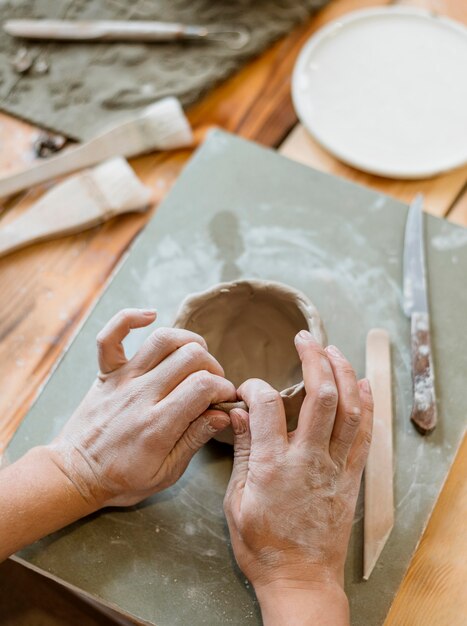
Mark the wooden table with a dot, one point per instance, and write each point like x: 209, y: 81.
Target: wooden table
x: 48, y: 289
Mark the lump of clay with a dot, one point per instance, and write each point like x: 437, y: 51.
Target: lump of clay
x: 249, y: 326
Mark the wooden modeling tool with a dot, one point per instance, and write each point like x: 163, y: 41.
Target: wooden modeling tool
x: 80, y: 202
x: 379, y: 494
x: 161, y: 126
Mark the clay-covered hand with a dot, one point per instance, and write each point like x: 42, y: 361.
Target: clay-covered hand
x: 144, y: 418
x: 291, y: 498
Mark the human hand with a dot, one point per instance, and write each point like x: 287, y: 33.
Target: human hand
x: 144, y: 418
x: 291, y: 498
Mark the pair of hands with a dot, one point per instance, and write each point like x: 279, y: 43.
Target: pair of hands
x: 291, y: 498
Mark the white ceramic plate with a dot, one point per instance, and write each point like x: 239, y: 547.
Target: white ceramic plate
x: 385, y: 90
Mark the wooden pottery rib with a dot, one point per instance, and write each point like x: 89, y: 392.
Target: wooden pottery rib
x: 379, y: 491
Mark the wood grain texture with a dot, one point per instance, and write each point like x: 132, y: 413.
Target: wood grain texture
x: 47, y: 290
x: 29, y: 599
x: 16, y: 139
x: 433, y: 590
x: 458, y: 213
x: 440, y: 192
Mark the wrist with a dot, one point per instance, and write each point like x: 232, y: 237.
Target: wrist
x: 72, y: 472
x: 299, y: 603
x: 36, y: 499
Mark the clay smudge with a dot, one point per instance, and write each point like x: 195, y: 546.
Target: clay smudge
x: 455, y: 239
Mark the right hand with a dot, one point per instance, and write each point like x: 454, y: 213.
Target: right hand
x: 144, y: 418
x: 291, y: 498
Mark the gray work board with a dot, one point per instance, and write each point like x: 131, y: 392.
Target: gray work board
x: 239, y: 210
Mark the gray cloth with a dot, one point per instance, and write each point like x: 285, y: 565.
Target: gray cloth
x: 90, y: 85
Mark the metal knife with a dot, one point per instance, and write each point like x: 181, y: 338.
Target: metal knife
x: 424, y: 411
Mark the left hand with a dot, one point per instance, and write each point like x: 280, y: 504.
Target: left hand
x: 144, y: 418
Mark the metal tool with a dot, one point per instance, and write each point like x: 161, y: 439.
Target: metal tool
x: 424, y: 411
x: 379, y: 490
x: 113, y: 30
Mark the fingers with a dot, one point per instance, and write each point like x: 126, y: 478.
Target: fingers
x: 268, y: 425
x: 190, y: 399
x: 199, y: 432
x: 239, y: 420
x: 318, y: 411
x: 159, y: 345
x: 359, y: 451
x: 349, y: 412
x: 242, y: 444
x: 110, y: 352
x: 186, y: 360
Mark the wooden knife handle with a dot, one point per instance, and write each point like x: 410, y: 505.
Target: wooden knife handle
x: 424, y: 411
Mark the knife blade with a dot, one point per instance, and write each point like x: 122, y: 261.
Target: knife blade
x: 415, y: 304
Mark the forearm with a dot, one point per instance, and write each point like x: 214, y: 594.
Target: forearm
x: 295, y: 606
x: 36, y: 499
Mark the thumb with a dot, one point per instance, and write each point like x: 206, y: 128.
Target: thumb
x: 242, y: 446
x: 199, y: 432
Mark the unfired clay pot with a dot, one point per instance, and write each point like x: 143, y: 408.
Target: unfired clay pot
x: 249, y: 326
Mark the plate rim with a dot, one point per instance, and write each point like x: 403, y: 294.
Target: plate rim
x: 330, y: 30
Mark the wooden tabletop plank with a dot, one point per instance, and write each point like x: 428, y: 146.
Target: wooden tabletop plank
x: 458, y: 213
x: 16, y: 140
x: 29, y: 599
x: 433, y: 590
x: 440, y: 191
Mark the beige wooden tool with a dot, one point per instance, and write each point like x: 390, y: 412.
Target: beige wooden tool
x: 379, y: 494
x: 161, y: 126
x: 78, y: 203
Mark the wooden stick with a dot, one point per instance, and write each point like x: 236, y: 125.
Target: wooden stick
x: 379, y: 494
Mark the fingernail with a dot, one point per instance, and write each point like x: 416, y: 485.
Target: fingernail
x: 366, y: 385
x: 149, y: 312
x: 216, y: 423
x: 304, y: 335
x: 238, y: 424
x: 333, y: 351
